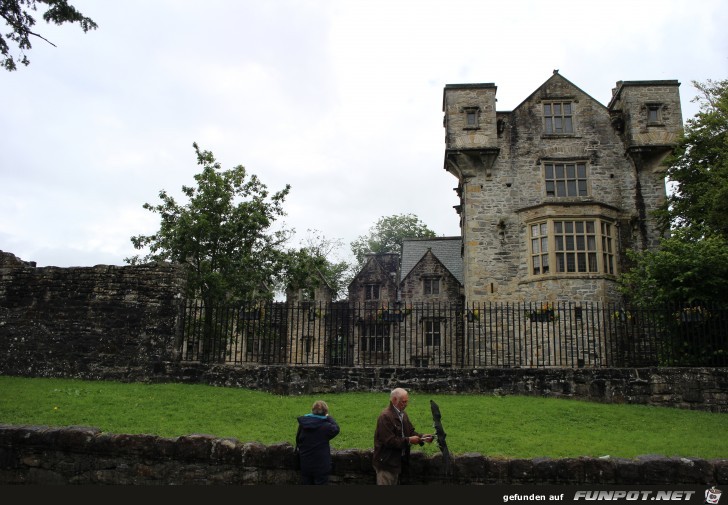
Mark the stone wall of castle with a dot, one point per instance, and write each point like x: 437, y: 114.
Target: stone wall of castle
x: 93, y: 322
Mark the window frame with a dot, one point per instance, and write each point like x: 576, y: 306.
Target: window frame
x: 430, y: 282
x: 473, y: 112
x: 375, y: 337
x: 550, y: 116
x: 655, y: 108
x: 572, y: 246
x: 370, y: 289
x: 576, y: 182
x: 432, y: 332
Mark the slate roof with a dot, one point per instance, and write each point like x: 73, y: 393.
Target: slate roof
x: 446, y: 249
x: 387, y: 263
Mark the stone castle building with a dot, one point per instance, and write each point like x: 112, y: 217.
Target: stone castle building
x: 555, y: 191
x: 552, y: 194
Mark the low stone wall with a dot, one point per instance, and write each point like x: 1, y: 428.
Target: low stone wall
x: 82, y: 455
x: 688, y: 388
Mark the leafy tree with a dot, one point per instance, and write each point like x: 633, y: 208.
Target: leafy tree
x: 316, y: 256
x: 699, y: 167
x: 222, y: 235
x: 18, y: 15
x: 388, y: 234
x: 690, y: 266
x: 680, y: 271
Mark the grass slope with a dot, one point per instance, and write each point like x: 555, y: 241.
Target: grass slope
x: 512, y: 426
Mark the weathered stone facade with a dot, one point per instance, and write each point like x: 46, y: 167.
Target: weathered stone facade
x: 429, y: 267
x: 558, y: 160
x: 376, y: 284
x: 87, y: 321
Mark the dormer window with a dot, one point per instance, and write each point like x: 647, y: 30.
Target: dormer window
x: 558, y: 118
x: 472, y: 119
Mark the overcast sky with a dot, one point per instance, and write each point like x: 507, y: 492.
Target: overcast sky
x: 341, y: 99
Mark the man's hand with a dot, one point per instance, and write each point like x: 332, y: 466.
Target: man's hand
x: 417, y: 440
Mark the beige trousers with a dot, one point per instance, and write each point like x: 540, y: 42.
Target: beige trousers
x: 385, y: 478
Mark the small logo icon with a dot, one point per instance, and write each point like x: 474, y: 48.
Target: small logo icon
x: 712, y: 496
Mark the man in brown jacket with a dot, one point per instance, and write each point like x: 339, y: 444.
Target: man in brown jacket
x: 392, y: 439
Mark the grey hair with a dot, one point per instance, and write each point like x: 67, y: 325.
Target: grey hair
x: 397, y: 393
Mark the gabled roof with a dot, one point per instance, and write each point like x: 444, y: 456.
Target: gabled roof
x: 445, y: 249
x: 385, y: 263
x: 556, y: 75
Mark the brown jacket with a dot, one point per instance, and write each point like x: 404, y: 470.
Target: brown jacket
x: 391, y: 444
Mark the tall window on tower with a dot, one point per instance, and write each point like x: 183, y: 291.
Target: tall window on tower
x: 558, y: 118
x: 539, y: 248
x: 472, y: 119
x: 575, y: 246
x: 654, y: 113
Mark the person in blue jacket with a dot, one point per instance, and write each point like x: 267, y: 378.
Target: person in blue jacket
x: 315, y: 430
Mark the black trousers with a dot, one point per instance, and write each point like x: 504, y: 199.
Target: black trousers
x: 313, y: 479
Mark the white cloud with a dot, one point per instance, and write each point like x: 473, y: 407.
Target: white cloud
x: 341, y: 99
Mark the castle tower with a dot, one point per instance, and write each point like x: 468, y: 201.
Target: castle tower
x: 648, y: 116
x: 471, y: 148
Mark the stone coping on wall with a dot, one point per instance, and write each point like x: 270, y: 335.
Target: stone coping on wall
x: 85, y: 455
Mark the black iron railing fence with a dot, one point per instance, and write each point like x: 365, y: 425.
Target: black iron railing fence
x: 447, y: 335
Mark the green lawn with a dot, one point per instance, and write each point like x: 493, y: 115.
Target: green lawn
x: 495, y: 426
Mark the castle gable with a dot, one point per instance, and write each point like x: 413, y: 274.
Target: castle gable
x: 446, y: 249
x: 556, y: 87
x: 430, y: 281
x: 377, y: 280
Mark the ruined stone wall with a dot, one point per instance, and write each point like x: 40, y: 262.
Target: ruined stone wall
x: 85, y: 456
x: 92, y: 322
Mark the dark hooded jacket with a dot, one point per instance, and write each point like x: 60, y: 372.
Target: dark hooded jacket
x: 314, y: 433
